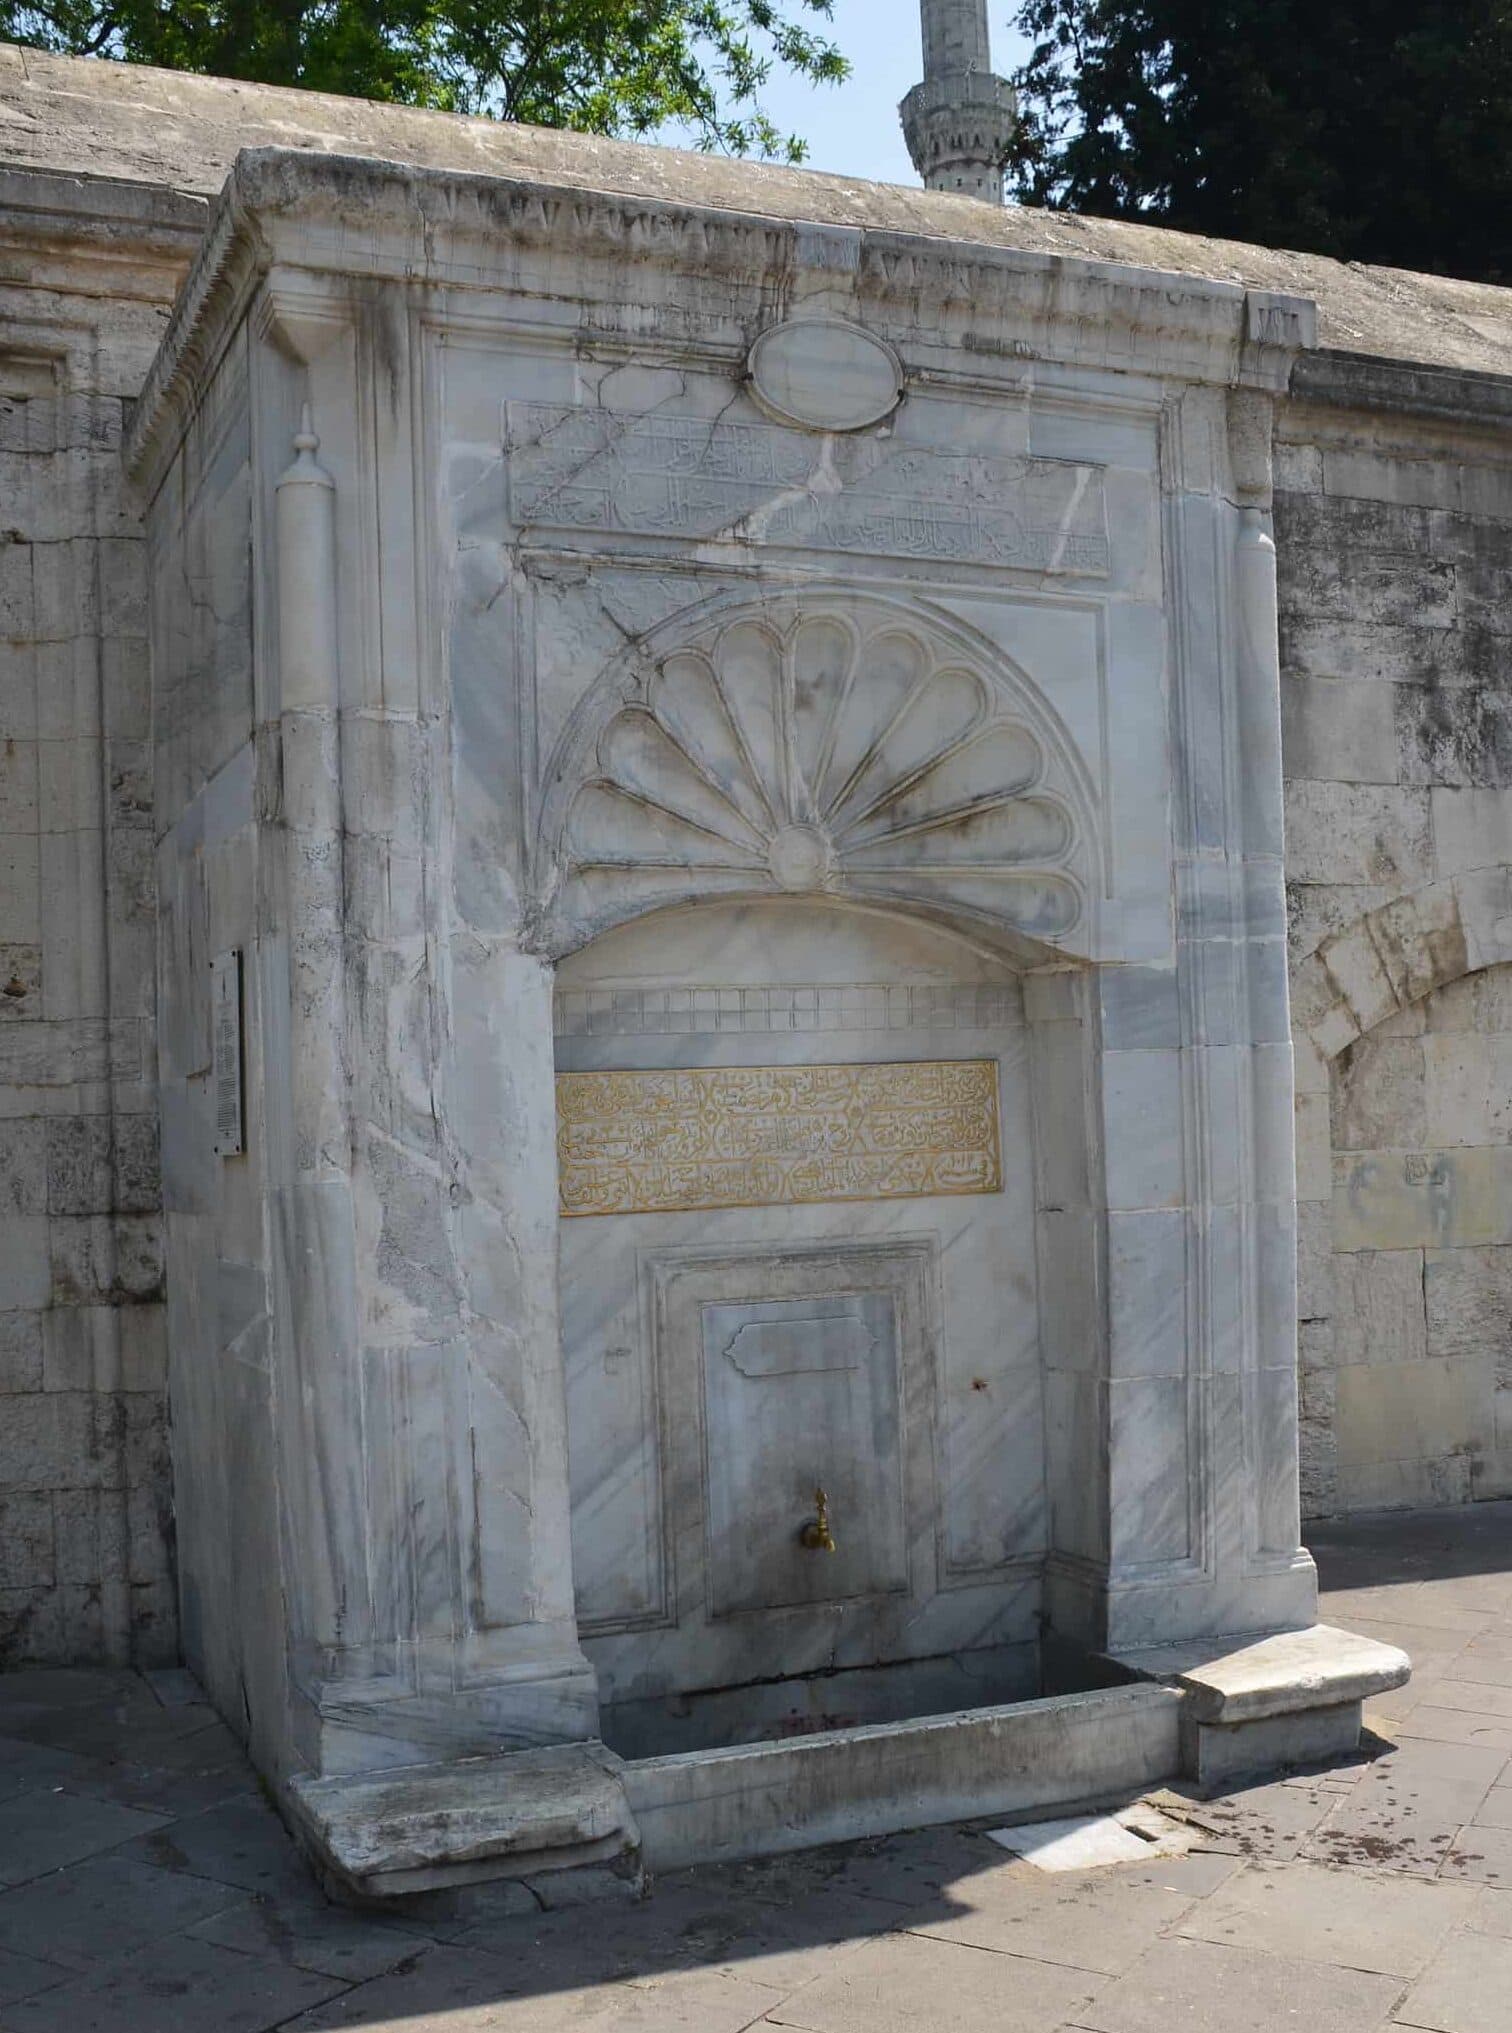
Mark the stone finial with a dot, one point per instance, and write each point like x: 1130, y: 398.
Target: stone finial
x: 959, y: 121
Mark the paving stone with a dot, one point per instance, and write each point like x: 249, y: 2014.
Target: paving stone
x: 1426, y: 1605
x: 178, y: 1777
x: 1482, y: 1697
x: 242, y: 1842
x: 1407, y: 1809
x: 1431, y: 1651
x: 1484, y: 1662
x: 42, y: 1831
x: 1399, y: 1701
x: 176, y: 1687
x: 176, y: 1986
x: 1093, y: 1922
x: 1467, y: 1989
x: 1273, y: 1820
x: 1198, y: 1873
x: 780, y: 1946
x: 1357, y: 1919
x: 1433, y: 1724
x: 95, y: 1911
x: 451, y: 1990
x: 50, y: 1688
x: 311, y: 1934
x: 904, y: 1986
x: 23, y: 1975
x: 1494, y: 1913
x: 26, y: 1767
x: 904, y: 1869
x: 1482, y: 1854
x: 710, y: 1919
x: 1197, y: 1987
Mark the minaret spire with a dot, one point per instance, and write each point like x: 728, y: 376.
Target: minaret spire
x: 959, y: 122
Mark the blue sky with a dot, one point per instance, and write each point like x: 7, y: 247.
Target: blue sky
x: 853, y: 127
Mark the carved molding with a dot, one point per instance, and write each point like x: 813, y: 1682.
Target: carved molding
x: 815, y: 745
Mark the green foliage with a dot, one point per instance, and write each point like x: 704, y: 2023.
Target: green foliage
x: 1375, y: 130
x: 602, y: 66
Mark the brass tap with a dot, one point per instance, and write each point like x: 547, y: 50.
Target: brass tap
x: 816, y: 1534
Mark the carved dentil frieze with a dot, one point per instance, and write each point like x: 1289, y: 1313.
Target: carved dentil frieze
x: 847, y: 748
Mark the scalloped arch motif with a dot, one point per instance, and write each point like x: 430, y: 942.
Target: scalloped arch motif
x: 845, y: 750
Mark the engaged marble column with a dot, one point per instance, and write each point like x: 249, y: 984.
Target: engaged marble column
x: 320, y: 1398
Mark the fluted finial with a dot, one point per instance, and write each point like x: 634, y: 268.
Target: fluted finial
x: 959, y: 122
x: 305, y: 439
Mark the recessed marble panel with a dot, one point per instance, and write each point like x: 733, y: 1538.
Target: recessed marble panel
x: 575, y: 468
x: 695, y: 1467
x: 802, y: 1395
x: 825, y: 373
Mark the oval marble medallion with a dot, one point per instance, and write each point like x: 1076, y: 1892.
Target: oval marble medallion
x: 824, y: 374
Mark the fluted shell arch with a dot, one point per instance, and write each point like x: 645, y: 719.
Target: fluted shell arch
x: 844, y: 751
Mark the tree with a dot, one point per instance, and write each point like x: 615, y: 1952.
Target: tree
x: 1374, y: 130
x: 602, y: 66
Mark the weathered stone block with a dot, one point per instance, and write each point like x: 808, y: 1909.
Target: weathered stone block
x: 18, y: 785
x: 1378, y: 1307
x: 23, y: 1187
x: 1340, y: 730
x: 24, y: 1276
x: 79, y: 1164
x: 20, y: 981
x: 1468, y: 1294
x: 1403, y: 1485
x: 1378, y: 1097
x: 1454, y: 735
x: 91, y: 1535
x: 1472, y: 826
x: 1358, y: 833
x: 32, y: 1631
x: 1433, y: 1199
x: 20, y: 891
x: 1467, y: 1093
x: 57, y: 1440
x: 96, y: 1258
x: 20, y: 1352
x: 1418, y: 1411
x: 1360, y: 974
x: 26, y: 1541
x: 1421, y: 940
x: 1314, y: 1147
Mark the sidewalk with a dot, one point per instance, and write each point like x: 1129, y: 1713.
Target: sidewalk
x: 150, y: 1890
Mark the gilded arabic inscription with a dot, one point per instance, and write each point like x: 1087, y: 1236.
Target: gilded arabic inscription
x: 753, y: 1136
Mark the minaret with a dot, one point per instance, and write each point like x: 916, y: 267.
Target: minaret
x: 959, y: 122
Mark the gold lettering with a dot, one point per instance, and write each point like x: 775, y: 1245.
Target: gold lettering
x: 754, y: 1136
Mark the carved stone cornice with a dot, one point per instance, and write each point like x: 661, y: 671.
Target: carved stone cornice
x: 343, y: 216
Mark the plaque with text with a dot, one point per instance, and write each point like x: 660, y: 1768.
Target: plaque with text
x: 653, y: 475
x: 226, y: 1052
x: 753, y: 1136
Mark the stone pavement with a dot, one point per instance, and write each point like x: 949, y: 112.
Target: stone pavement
x: 150, y: 1889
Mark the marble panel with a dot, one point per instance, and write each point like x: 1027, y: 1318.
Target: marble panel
x: 802, y: 1411
x: 691, y: 1478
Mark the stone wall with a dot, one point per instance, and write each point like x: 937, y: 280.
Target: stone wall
x: 86, y: 1532
x: 1394, y: 528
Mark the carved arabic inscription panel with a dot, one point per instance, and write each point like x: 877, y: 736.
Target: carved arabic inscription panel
x: 599, y: 469
x: 751, y: 1136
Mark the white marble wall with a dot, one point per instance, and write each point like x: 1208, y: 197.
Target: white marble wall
x: 951, y: 605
